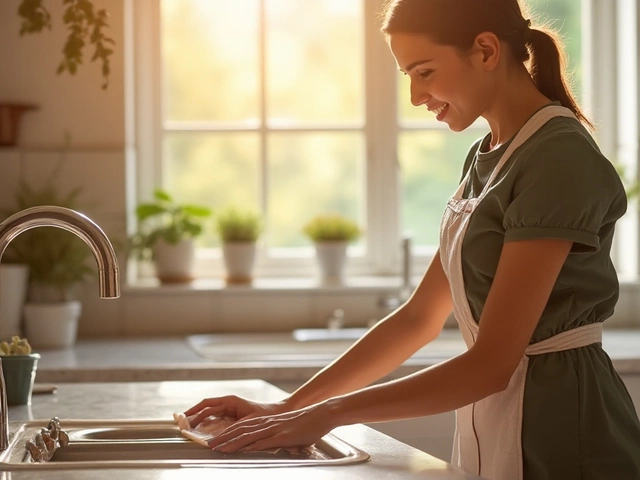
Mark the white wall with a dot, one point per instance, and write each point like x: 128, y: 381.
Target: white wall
x: 72, y: 108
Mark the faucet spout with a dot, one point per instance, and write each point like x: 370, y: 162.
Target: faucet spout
x: 84, y: 228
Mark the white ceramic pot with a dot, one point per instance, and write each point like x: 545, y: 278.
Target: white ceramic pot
x: 52, y: 325
x: 13, y: 291
x: 174, y: 263
x: 331, y: 259
x: 239, y: 258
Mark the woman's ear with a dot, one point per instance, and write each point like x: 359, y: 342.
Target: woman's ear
x: 486, y: 48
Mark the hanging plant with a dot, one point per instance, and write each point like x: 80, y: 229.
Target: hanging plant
x: 86, y: 25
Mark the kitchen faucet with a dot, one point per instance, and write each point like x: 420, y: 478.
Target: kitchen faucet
x: 82, y: 227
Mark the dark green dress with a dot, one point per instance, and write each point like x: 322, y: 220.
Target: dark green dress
x: 579, y: 422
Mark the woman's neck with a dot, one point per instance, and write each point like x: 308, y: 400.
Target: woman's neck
x: 518, y: 99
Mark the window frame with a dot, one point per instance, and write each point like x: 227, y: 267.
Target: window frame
x: 381, y: 125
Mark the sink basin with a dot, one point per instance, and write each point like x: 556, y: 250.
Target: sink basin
x: 97, y: 444
x: 269, y: 347
x: 303, y: 345
x: 327, y: 334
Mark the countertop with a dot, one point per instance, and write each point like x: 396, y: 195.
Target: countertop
x: 390, y: 459
x: 164, y: 359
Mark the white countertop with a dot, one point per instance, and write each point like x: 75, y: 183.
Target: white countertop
x: 390, y: 459
x: 161, y: 359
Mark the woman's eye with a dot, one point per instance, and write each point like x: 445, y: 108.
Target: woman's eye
x: 425, y: 73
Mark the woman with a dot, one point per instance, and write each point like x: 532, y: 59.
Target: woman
x: 523, y: 263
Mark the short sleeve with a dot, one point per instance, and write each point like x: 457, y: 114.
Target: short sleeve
x: 565, y: 189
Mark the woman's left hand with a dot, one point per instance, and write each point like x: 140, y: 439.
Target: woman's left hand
x: 299, y: 427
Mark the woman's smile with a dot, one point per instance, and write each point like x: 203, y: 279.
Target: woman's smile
x: 441, y: 111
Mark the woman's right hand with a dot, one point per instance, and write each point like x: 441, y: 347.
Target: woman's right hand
x: 231, y: 406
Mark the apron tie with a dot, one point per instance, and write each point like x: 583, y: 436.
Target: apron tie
x: 575, y: 338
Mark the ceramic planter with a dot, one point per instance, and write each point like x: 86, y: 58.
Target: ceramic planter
x: 13, y: 291
x: 52, y: 325
x: 239, y: 258
x: 331, y: 259
x: 174, y: 263
x: 19, y: 373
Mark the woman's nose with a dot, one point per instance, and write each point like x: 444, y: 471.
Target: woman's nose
x: 418, y: 96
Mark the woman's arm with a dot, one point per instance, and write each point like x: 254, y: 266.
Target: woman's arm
x: 525, y: 276
x: 382, y: 349
x: 387, y: 345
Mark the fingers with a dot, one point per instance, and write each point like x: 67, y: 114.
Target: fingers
x: 240, y: 437
x: 195, y: 420
x: 199, y: 406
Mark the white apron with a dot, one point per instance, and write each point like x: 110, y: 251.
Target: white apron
x: 488, y: 440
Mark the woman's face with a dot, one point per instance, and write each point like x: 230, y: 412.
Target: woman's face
x: 448, y: 83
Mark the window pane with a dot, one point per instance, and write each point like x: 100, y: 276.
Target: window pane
x: 312, y: 174
x: 315, y: 66
x: 213, y: 169
x: 564, y: 16
x: 210, y: 60
x: 431, y: 163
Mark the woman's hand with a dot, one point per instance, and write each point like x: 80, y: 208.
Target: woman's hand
x: 231, y: 406
x: 295, y: 428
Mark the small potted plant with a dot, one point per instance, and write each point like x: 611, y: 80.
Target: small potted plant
x: 166, y: 236
x: 57, y: 261
x: 331, y: 233
x: 19, y: 366
x: 239, y: 231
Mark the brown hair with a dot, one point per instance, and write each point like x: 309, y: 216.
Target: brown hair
x: 459, y: 22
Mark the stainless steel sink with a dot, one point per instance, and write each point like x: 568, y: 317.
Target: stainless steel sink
x: 97, y: 444
x: 303, y: 345
x: 328, y: 334
x: 266, y: 347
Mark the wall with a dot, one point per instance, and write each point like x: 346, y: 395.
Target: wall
x: 76, y: 110
x: 77, y: 121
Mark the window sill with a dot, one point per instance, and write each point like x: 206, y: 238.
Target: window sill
x: 214, y: 286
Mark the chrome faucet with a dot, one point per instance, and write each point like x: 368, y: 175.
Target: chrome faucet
x: 82, y: 227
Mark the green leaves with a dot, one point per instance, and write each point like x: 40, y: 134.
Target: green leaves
x: 34, y: 16
x: 166, y: 219
x: 85, y: 26
x: 18, y: 346
x: 235, y: 225
x: 332, y: 227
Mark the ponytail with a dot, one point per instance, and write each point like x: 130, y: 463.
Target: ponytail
x: 547, y: 66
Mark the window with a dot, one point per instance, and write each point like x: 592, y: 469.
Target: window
x: 284, y: 106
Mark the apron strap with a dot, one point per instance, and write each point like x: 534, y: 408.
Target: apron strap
x: 575, y: 338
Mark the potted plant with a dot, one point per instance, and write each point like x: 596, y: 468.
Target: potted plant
x: 239, y: 231
x: 331, y: 233
x: 19, y: 370
x: 166, y: 233
x: 57, y: 262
